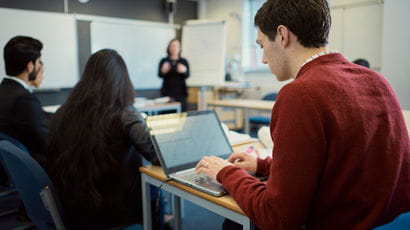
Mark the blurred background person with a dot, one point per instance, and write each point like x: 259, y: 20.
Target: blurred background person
x: 362, y: 62
x: 174, y: 70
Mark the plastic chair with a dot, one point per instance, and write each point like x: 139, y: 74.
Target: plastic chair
x: 33, y: 185
x: 14, y: 141
x: 401, y: 222
x: 263, y: 120
x: 9, y: 192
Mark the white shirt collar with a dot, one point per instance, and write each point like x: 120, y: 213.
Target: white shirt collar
x: 21, y: 82
x: 313, y: 57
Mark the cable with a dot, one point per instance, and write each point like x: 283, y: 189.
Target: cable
x: 158, y: 197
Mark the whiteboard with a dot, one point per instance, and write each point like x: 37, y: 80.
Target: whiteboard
x: 204, y: 46
x: 58, y: 34
x: 141, y: 45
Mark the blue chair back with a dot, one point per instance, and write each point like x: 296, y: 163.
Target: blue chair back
x: 14, y: 141
x: 401, y: 222
x: 263, y: 120
x: 270, y: 97
x: 4, y: 177
x: 29, y: 179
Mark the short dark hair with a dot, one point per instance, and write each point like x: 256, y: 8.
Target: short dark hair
x: 19, y: 51
x: 362, y: 62
x: 309, y: 20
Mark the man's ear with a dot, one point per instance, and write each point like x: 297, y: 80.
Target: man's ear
x: 30, y: 67
x: 282, y: 35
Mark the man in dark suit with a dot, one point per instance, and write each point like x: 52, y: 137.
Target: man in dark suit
x: 21, y: 114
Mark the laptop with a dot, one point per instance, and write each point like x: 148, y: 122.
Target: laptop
x: 182, y: 139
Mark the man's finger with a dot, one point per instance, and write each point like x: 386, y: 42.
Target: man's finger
x: 203, y: 170
x: 235, y: 156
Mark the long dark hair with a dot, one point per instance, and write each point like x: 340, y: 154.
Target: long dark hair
x: 85, y: 133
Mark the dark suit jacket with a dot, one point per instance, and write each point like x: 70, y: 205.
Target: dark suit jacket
x: 22, y: 117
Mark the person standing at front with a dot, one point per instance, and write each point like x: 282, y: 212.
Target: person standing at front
x: 174, y: 70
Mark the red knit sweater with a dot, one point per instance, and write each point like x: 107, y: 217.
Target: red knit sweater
x: 341, y: 157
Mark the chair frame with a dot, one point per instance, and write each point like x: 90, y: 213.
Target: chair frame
x: 11, y: 153
x: 50, y: 204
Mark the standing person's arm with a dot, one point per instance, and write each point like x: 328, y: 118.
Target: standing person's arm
x: 163, y: 68
x: 184, y: 67
x: 139, y: 135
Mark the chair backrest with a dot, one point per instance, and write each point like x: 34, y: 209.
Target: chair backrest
x: 4, y: 177
x: 30, y: 180
x: 14, y: 141
x: 402, y: 222
x: 270, y: 97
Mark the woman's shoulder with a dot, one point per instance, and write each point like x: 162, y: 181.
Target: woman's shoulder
x: 164, y: 59
x: 132, y: 115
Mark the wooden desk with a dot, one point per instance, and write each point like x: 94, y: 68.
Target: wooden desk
x: 224, y: 206
x: 245, y: 105
x: 152, y: 109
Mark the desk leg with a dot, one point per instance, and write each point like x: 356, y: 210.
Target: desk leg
x: 146, y: 196
x: 177, y: 212
x: 146, y: 203
x: 248, y: 225
x: 246, y: 128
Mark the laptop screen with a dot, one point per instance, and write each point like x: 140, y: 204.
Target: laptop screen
x: 182, y: 139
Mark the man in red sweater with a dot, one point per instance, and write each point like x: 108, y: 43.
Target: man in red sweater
x: 341, y: 156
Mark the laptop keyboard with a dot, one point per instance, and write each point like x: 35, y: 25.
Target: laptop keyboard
x: 194, y: 177
x: 202, y: 181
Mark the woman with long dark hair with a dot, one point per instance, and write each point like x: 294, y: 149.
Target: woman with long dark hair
x: 95, y: 144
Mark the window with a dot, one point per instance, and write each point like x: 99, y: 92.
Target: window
x: 251, y: 52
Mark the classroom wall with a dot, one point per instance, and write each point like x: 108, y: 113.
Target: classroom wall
x: 148, y: 10
x: 42, y: 5
x: 357, y: 30
x: 263, y: 82
x: 231, y: 12
x: 396, y: 48
x: 391, y: 48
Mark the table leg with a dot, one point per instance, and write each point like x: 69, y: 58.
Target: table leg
x: 146, y: 203
x: 178, y: 110
x: 246, y: 128
x: 248, y: 225
x: 177, y: 212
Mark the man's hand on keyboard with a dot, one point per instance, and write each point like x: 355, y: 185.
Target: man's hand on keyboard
x: 211, y: 165
x: 245, y: 160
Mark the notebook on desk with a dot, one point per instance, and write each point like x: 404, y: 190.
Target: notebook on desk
x: 182, y: 139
